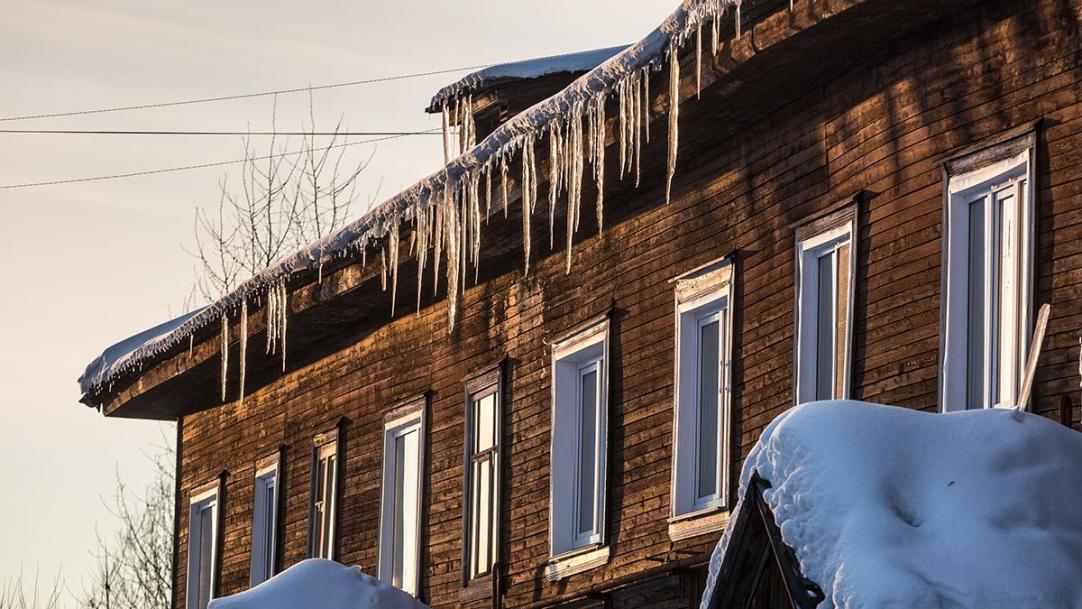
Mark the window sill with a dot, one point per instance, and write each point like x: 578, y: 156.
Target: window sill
x: 477, y: 589
x: 568, y: 564
x: 686, y: 526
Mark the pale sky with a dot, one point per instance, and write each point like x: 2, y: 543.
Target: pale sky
x: 89, y: 264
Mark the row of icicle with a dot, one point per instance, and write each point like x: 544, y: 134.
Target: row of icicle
x: 448, y: 218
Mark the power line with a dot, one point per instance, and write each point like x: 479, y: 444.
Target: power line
x: 199, y: 166
x: 205, y: 100
x: 305, y: 133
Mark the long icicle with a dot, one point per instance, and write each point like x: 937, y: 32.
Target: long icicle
x: 503, y: 185
x: 243, y: 364
x: 526, y: 203
x: 554, y: 177
x: 393, y: 246
x: 699, y: 61
x: 224, y: 350
x: 283, y: 305
x: 638, y: 129
x: 674, y: 112
x: 599, y: 161
x: 446, y: 135
x: 453, y: 257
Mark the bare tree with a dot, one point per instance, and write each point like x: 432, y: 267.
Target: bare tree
x: 135, y: 567
x: 15, y: 595
x: 284, y: 201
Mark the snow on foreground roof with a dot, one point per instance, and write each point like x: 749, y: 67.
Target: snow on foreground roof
x: 522, y: 70
x: 323, y: 584
x: 890, y: 507
x: 116, y: 356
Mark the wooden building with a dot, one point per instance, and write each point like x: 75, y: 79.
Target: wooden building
x: 851, y: 198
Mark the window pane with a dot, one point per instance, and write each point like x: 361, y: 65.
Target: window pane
x: 709, y: 396
x: 825, y: 328
x: 975, y: 339
x: 399, y: 500
x: 841, y: 290
x: 206, y: 555
x: 482, y: 515
x: 270, y: 517
x: 587, y: 449
x: 1006, y: 313
x: 484, y: 423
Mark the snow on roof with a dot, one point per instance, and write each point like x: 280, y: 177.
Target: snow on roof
x: 486, y: 157
x: 116, y: 356
x: 891, y: 507
x: 522, y: 70
x: 321, y: 583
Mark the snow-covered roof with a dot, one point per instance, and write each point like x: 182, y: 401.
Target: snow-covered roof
x: 522, y: 70
x: 614, y: 77
x: 321, y: 583
x: 891, y: 507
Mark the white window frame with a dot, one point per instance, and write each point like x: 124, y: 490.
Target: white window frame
x: 576, y: 354
x: 402, y: 420
x: 480, y: 387
x: 700, y: 295
x: 815, y: 240
x: 265, y: 519
x: 1006, y: 164
x: 203, y: 498
x: 325, y: 445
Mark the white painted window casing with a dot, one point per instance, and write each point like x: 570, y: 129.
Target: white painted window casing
x: 824, y: 319
x: 482, y: 477
x: 203, y: 525
x: 264, y: 521
x: 323, y: 507
x: 702, y: 417
x: 988, y: 276
x: 579, y: 440
x: 400, y: 504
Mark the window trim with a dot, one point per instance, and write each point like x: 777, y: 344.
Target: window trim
x: 264, y: 467
x: 811, y: 237
x: 704, y: 291
x: 1012, y: 153
x: 593, y: 334
x: 208, y: 493
x: 406, y: 415
x: 321, y: 442
x: 491, y: 380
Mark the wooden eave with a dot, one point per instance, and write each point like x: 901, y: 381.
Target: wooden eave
x: 780, y: 57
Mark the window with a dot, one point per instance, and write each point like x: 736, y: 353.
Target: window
x: 400, y: 507
x: 988, y: 274
x: 825, y: 258
x: 482, y: 473
x: 702, y: 417
x: 579, y: 436
x: 264, y: 520
x: 203, y: 524
x: 323, y: 506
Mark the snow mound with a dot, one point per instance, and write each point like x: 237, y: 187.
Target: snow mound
x: 522, y: 70
x: 891, y: 507
x: 320, y: 584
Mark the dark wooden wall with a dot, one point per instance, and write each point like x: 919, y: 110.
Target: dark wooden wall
x: 879, y: 127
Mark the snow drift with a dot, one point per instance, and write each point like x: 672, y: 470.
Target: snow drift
x: 323, y: 584
x: 890, y: 507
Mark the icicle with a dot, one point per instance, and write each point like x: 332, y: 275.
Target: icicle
x: 191, y: 344
x: 223, y: 349
x: 488, y: 193
x: 638, y: 129
x: 423, y: 220
x: 622, y: 98
x: 243, y: 365
x: 437, y: 233
x: 475, y: 197
x: 715, y: 24
x: 319, y: 279
x: 736, y: 18
x: 699, y: 61
x: 646, y: 102
x: 554, y: 177
x: 271, y: 319
x: 674, y: 111
x: 453, y: 256
x: 283, y: 306
x: 599, y: 161
x: 503, y: 185
x: 527, y: 204
x: 393, y: 239
x: 446, y: 135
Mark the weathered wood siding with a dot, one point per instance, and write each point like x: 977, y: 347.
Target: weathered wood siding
x: 879, y: 127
